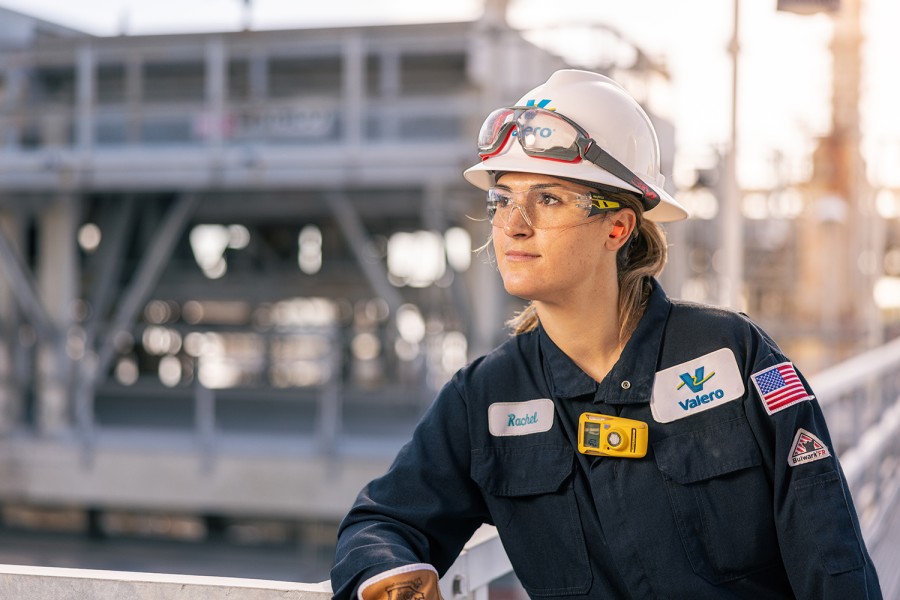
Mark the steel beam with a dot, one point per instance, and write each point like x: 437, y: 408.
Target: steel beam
x: 363, y: 249
x: 434, y: 218
x: 25, y: 291
x: 115, y: 230
x: 161, y: 247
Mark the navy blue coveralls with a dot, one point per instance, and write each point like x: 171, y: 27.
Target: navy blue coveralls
x: 732, y: 500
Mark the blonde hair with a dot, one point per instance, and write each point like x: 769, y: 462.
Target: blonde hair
x: 638, y: 261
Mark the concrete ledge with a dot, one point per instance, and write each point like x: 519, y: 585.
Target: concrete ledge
x: 482, y: 561
x: 48, y: 583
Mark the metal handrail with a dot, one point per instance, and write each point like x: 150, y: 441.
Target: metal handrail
x: 854, y: 372
x: 861, y: 399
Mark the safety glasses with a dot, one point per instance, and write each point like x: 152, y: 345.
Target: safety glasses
x: 549, y: 135
x: 545, y: 206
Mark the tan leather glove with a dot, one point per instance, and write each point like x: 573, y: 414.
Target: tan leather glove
x: 410, y: 582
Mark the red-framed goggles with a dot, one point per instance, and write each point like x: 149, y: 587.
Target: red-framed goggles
x: 547, y: 134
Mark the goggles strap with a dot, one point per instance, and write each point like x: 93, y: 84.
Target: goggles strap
x: 597, y: 155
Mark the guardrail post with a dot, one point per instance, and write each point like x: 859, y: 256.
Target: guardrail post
x: 205, y: 421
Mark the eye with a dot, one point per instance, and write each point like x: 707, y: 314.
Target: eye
x: 548, y: 199
x: 498, y: 199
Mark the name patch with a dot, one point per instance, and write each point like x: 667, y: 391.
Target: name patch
x: 695, y: 386
x: 520, y: 418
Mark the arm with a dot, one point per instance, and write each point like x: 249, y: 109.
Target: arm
x: 818, y: 529
x: 421, y: 512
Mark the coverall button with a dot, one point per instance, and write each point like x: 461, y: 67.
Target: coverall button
x: 626, y: 385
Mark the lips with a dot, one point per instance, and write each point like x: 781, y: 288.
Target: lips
x: 515, y: 255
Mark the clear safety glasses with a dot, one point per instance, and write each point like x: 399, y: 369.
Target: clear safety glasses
x: 547, y: 134
x: 548, y: 206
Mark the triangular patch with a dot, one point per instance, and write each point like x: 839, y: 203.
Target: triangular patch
x: 806, y: 448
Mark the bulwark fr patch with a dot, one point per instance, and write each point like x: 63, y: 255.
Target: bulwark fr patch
x: 806, y: 448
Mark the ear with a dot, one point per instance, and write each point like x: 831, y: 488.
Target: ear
x: 621, y: 226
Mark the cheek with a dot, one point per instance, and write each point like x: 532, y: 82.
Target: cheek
x: 495, y: 245
x: 582, y: 253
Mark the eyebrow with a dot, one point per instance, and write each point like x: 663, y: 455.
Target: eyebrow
x: 539, y: 186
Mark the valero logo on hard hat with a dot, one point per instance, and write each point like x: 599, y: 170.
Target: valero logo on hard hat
x: 540, y: 103
x: 543, y: 132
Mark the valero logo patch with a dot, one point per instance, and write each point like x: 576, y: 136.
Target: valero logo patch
x: 695, y: 382
x: 695, y: 386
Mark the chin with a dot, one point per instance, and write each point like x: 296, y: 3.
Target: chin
x: 520, y: 289
x: 527, y: 284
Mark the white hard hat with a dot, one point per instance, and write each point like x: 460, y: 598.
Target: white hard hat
x: 612, y: 118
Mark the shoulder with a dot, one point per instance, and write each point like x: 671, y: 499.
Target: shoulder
x: 516, y: 352
x: 708, y: 328
x: 715, y: 319
x: 708, y: 314
x: 513, y: 363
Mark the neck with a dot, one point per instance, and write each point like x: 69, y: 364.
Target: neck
x: 588, y: 333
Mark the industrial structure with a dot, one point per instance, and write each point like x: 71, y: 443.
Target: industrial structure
x: 235, y: 267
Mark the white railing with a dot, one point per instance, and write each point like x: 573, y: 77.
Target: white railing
x: 482, y: 561
x: 861, y: 399
x: 46, y: 583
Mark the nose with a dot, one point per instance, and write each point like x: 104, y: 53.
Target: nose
x: 515, y: 225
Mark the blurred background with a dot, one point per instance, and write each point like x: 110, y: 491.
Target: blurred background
x: 238, y: 257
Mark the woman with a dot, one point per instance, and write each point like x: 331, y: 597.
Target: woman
x: 625, y: 445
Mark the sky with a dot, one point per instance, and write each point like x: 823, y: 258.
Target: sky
x: 785, y: 64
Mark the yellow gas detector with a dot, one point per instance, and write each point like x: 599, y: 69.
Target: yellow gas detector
x: 606, y: 435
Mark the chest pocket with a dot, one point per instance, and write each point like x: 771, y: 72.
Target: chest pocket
x: 717, y: 490
x: 530, y: 495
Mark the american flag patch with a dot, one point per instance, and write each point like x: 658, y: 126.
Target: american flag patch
x: 780, y: 387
